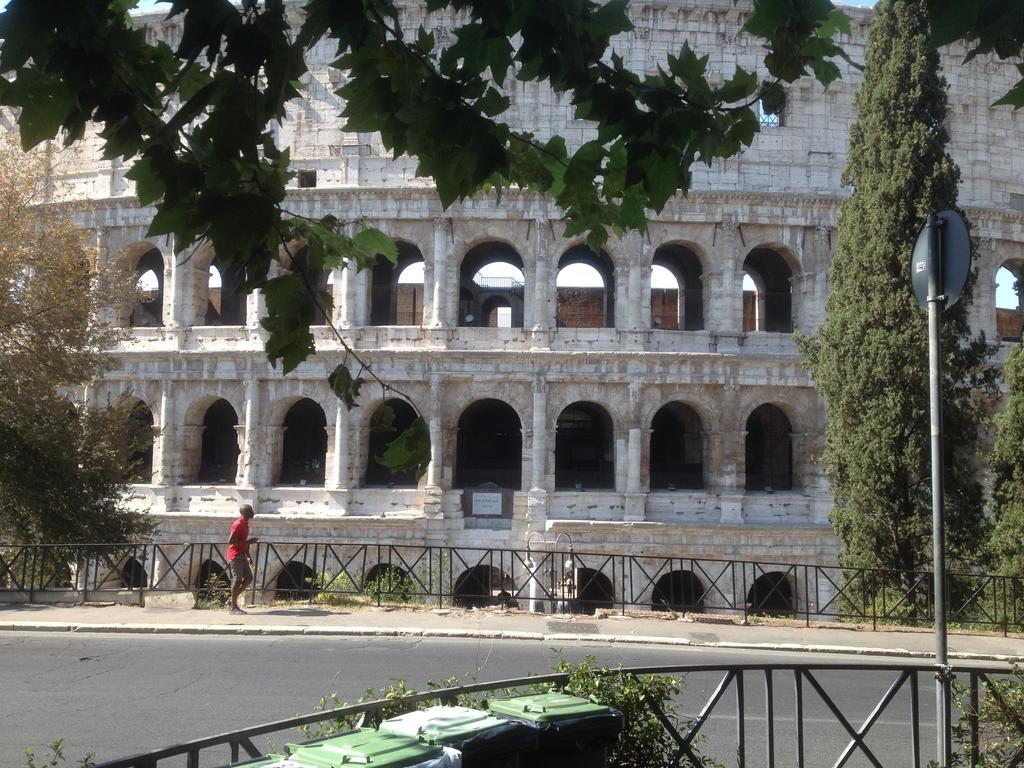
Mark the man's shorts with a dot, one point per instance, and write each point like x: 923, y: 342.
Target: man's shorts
x: 240, y: 570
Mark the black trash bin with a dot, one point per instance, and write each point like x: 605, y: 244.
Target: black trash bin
x: 574, y: 732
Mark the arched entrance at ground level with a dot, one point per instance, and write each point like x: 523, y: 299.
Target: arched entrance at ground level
x: 213, y: 581
x: 771, y: 593
x: 677, y: 448
x: 767, y: 296
x: 585, y: 288
x: 1008, y: 305
x: 140, y: 457
x: 482, y: 585
x: 678, y: 591
x: 677, y: 289
x: 304, y: 450
x: 388, y: 583
x: 491, y: 287
x: 584, y: 448
x: 769, y: 450
x: 218, y: 458
x: 377, y: 475
x: 133, y: 575
x: 587, y: 590
x: 296, y: 581
x: 489, y: 446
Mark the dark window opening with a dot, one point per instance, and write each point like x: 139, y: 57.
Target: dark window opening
x: 481, y: 586
x: 678, y: 591
x: 584, y: 448
x: 306, y: 179
x: 396, y: 290
x: 213, y: 581
x: 148, y: 307
x: 491, y: 287
x: 585, y: 287
x: 489, y: 446
x: 140, y: 457
x: 768, y: 305
x: 218, y: 462
x: 377, y: 475
x: 389, y: 583
x: 133, y: 575
x: 304, y: 454
x: 677, y: 448
x: 226, y: 303
x: 771, y: 593
x: 769, y: 450
x: 681, y: 307
x: 296, y: 581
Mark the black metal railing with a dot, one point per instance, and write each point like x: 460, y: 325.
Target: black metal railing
x: 550, y: 578
x: 756, y: 726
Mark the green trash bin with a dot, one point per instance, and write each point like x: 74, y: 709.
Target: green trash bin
x: 483, y: 740
x: 574, y: 732
x: 368, y: 746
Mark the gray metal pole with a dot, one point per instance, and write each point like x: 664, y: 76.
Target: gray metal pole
x: 936, y: 303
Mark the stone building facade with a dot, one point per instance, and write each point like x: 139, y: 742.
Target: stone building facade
x: 689, y: 429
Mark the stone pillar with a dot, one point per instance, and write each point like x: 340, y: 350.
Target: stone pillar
x: 541, y: 311
x: 338, y: 474
x: 347, y: 307
x: 240, y: 468
x: 255, y: 308
x: 724, y: 294
x: 163, y: 453
x: 175, y: 281
x: 439, y: 305
x: 432, y: 493
x: 247, y: 459
x: 636, y: 499
x: 634, y: 244
x: 537, y: 499
x: 191, y: 453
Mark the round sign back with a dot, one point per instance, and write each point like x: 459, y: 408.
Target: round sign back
x: 953, y: 259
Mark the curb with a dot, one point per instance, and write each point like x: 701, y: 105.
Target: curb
x: 477, y: 634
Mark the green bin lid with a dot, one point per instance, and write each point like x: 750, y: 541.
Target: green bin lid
x: 364, y: 747
x: 442, y: 725
x: 546, y: 707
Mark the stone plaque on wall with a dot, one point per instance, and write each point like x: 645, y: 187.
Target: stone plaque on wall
x: 487, y: 501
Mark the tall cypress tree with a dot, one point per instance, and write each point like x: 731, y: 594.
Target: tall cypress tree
x: 870, y: 358
x: 1006, y: 463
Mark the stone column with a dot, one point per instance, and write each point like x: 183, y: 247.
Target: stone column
x: 247, y: 459
x: 636, y: 500
x: 191, y: 453
x: 163, y: 451
x: 537, y: 498
x: 442, y: 242
x: 432, y: 493
x: 360, y: 316
x: 634, y: 293
x: 337, y: 477
x: 255, y: 308
x: 175, y: 281
x: 540, y: 310
x: 240, y: 430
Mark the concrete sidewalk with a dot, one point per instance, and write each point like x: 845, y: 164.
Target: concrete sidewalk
x: 708, y: 631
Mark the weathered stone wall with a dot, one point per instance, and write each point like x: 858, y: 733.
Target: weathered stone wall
x: 782, y: 194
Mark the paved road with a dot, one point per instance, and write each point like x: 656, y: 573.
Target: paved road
x: 112, y: 695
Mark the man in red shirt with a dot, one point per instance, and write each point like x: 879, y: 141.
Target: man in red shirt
x: 238, y: 555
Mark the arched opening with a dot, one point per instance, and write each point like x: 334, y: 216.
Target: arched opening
x: 584, y: 448
x: 218, y: 457
x: 148, y: 308
x: 1008, y: 308
x: 771, y: 593
x: 590, y: 589
x: 677, y: 289
x: 767, y: 292
x: 489, y: 446
x: 140, y: 455
x: 678, y: 591
x: 491, y: 287
x: 133, y: 575
x: 482, y: 585
x: 677, y: 448
x: 388, y: 582
x: 296, y: 581
x: 212, y: 582
x: 585, y: 287
x: 377, y: 475
x: 225, y: 304
x: 396, y: 290
x: 769, y: 450
x: 304, y: 453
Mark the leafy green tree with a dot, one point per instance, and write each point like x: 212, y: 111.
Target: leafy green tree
x: 63, y: 465
x: 870, y: 358
x: 1006, y: 463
